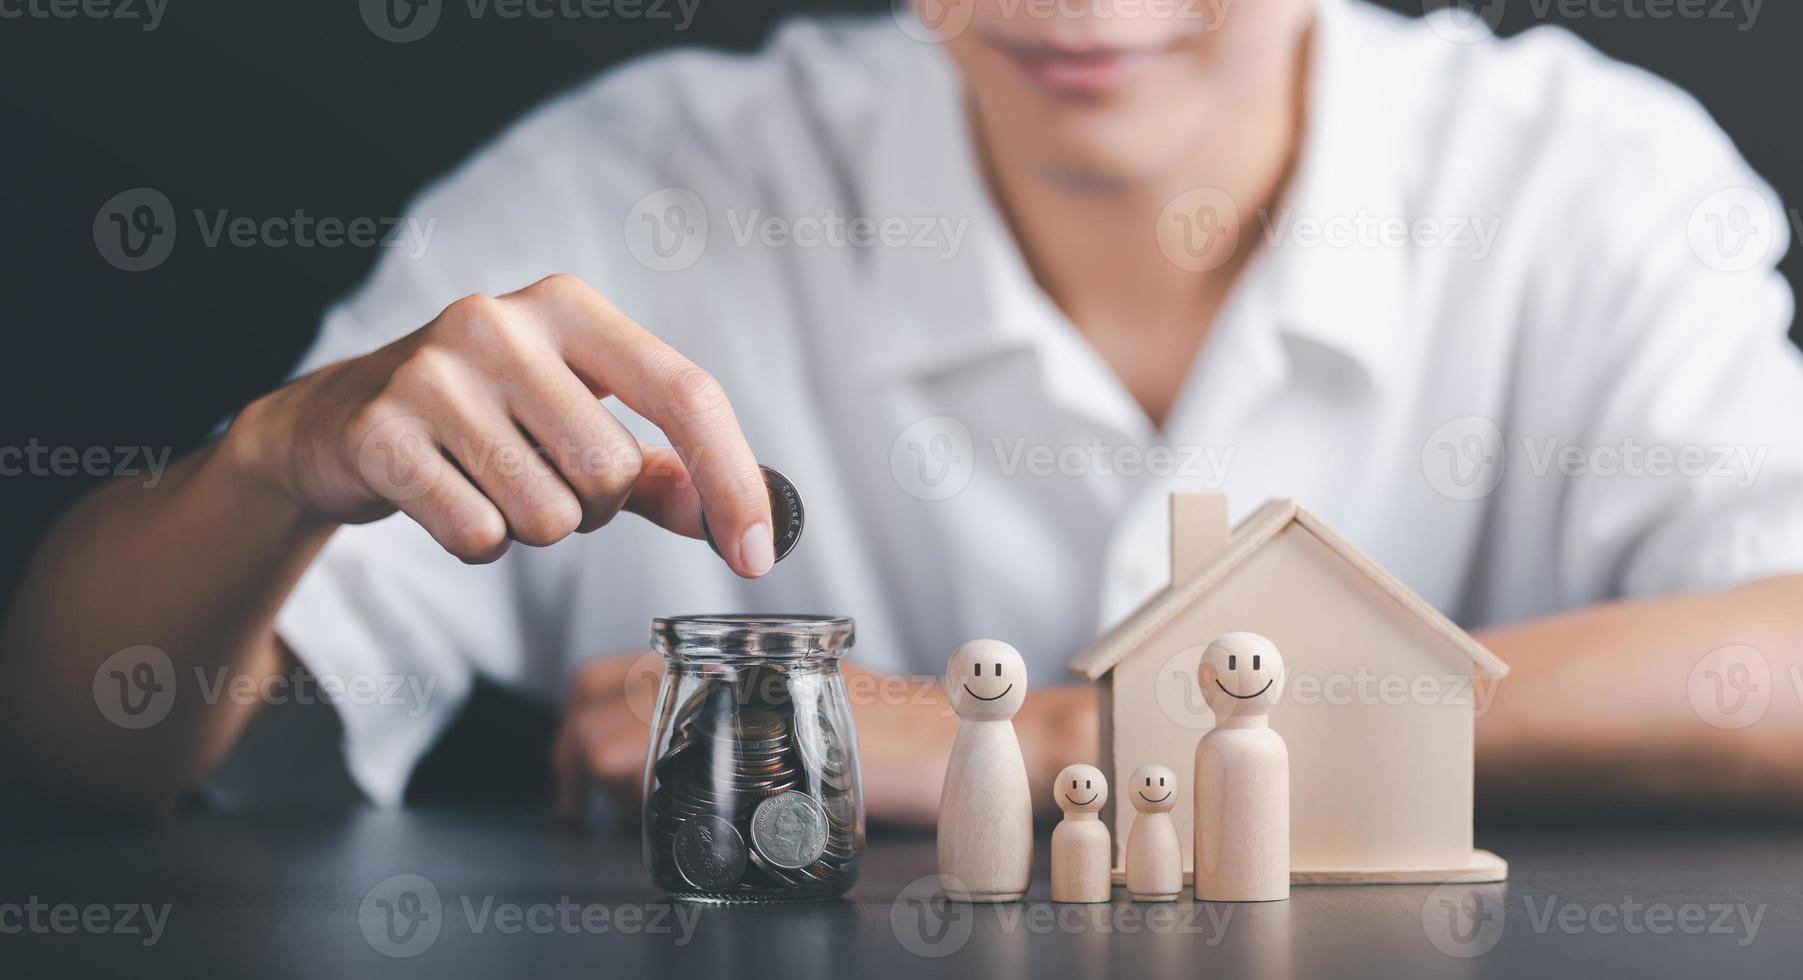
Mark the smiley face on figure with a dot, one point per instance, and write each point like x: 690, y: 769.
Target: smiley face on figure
x: 1242, y: 674
x: 987, y: 681
x: 1153, y: 789
x: 1080, y: 789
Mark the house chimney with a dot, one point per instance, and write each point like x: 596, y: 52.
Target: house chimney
x: 1198, y: 533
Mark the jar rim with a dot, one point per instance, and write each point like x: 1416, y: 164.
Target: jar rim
x: 753, y: 635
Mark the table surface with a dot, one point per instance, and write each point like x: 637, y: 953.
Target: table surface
x: 510, y: 894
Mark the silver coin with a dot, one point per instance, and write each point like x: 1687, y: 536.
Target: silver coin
x: 789, y: 830
x: 786, y: 515
x: 710, y: 854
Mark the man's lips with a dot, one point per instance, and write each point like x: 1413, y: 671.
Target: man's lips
x: 1078, y: 69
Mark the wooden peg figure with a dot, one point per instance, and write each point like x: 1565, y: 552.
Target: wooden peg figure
x: 1242, y: 846
x: 1081, y: 844
x: 1154, y: 851
x: 985, y: 808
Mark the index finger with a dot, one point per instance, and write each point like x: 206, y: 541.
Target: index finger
x: 614, y: 355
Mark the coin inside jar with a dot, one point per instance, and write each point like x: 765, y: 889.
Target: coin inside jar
x: 789, y: 830
x: 710, y: 854
x: 786, y: 516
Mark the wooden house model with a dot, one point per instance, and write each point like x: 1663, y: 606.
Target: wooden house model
x: 1378, y: 711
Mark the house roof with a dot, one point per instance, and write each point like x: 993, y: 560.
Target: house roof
x: 1252, y: 534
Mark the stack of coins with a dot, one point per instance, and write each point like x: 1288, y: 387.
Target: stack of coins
x: 753, y: 797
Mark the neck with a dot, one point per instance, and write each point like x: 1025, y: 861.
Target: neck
x: 1244, y: 721
x: 1093, y: 244
x: 1082, y: 815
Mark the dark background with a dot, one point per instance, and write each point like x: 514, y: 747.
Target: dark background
x: 266, y: 107
x: 263, y: 108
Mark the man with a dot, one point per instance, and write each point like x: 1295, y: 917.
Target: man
x: 987, y: 297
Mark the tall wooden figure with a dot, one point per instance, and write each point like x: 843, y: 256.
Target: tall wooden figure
x: 1242, y: 847
x: 1082, y: 848
x: 1154, y: 852
x: 985, y: 808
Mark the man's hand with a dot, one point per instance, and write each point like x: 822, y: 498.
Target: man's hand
x: 905, y: 732
x: 485, y: 427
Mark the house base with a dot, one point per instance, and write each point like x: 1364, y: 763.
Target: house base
x: 1484, y: 867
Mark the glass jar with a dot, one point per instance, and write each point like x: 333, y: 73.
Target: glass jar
x: 752, y: 788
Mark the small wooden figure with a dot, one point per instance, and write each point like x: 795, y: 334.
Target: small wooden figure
x: 1081, y: 842
x: 1242, y: 846
x: 985, y: 807
x: 1154, y: 849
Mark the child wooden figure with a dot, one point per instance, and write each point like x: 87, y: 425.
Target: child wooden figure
x: 1081, y: 843
x: 1242, y: 846
x: 1154, y: 852
x: 985, y: 808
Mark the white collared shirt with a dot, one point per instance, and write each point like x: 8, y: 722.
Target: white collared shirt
x: 1515, y: 331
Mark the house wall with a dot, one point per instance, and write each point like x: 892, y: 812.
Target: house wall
x: 1377, y: 712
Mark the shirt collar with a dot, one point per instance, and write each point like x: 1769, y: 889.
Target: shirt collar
x: 939, y: 314
x: 1346, y: 299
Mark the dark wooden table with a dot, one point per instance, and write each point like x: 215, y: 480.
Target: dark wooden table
x: 510, y: 895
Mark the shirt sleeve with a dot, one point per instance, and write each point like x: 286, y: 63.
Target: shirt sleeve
x: 384, y: 614
x: 1684, y: 469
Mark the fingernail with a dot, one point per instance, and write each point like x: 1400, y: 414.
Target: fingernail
x: 757, y: 550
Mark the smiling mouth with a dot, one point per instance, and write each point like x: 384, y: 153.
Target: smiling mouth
x: 980, y: 697
x: 1092, y: 798
x: 1148, y: 799
x: 1080, y: 69
x: 1244, y: 697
